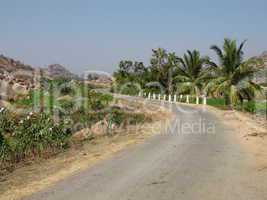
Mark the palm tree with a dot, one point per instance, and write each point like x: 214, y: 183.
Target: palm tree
x: 192, y: 73
x: 233, y: 75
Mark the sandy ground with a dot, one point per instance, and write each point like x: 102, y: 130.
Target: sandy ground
x: 251, y: 132
x: 36, y: 176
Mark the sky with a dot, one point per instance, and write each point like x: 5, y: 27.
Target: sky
x: 96, y: 34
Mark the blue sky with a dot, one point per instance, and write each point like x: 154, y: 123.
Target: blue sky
x: 97, y: 34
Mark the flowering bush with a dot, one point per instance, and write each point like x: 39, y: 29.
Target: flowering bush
x: 30, y: 136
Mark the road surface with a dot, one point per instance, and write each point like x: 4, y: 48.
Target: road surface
x: 182, y: 163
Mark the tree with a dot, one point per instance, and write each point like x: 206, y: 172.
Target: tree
x: 192, y: 73
x: 162, y: 68
x: 158, y: 62
x: 233, y: 75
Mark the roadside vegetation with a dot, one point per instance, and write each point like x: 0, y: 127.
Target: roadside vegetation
x: 228, y: 83
x: 44, y: 122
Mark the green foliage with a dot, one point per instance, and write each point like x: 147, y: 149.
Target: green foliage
x: 253, y: 107
x: 6, y: 124
x: 119, y: 117
x: 129, y: 89
x: 67, y: 90
x: 192, y: 75
x: 98, y: 101
x: 233, y: 76
x: 217, y: 102
x: 67, y: 105
x: 31, y: 136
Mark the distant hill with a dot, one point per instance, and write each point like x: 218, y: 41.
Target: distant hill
x: 58, y: 71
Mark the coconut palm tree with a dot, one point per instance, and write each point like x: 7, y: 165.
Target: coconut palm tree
x: 233, y: 75
x: 192, y: 73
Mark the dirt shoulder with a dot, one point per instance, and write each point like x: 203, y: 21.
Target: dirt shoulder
x: 251, y: 132
x: 43, y: 173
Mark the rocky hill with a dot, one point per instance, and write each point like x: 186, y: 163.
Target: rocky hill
x: 18, y: 78
x: 15, y: 76
x: 58, y: 71
x: 261, y: 76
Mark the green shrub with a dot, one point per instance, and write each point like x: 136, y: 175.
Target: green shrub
x: 67, y: 105
x: 38, y: 133
x: 67, y: 90
x: 119, y: 117
x: 30, y: 136
x: 129, y: 89
x: 6, y: 121
x: 5, y: 154
x: 217, y: 102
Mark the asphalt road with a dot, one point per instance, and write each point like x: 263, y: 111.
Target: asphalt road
x: 182, y: 163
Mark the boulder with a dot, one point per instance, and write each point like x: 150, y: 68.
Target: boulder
x: 100, y: 128
x: 82, y: 135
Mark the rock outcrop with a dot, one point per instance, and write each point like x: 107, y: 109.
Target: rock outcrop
x: 261, y: 76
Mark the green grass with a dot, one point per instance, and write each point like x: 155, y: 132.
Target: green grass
x: 217, y: 102
x: 255, y: 107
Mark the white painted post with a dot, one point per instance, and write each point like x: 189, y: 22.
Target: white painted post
x: 174, y: 98
x: 170, y: 98
x: 197, y: 100
x: 159, y: 97
x: 181, y: 97
x: 139, y: 94
x: 149, y: 95
x: 187, y: 98
x: 205, y: 100
x: 164, y: 97
x: 154, y: 96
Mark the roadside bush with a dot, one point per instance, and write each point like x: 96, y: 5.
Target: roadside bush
x: 33, y: 135
x: 38, y: 133
x: 6, y: 122
x: 129, y: 89
x: 120, y: 117
x: 98, y: 101
x: 67, y: 105
x: 67, y: 90
x: 4, y: 150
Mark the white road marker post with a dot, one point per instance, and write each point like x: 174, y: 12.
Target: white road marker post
x: 174, y: 99
x: 170, y: 98
x: 159, y: 97
x: 154, y: 96
x: 197, y: 100
x: 164, y: 97
x: 187, y: 98
x: 205, y: 100
x: 149, y: 95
